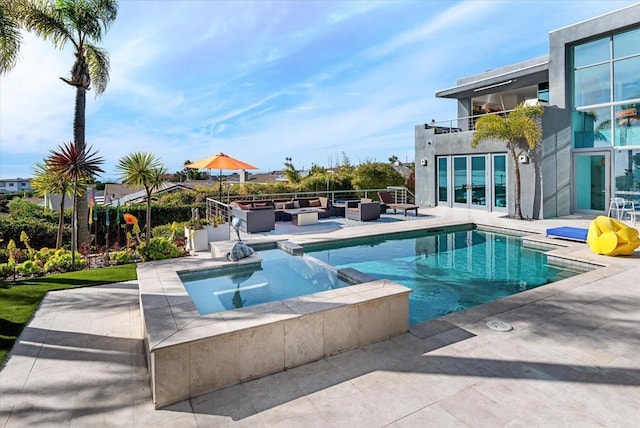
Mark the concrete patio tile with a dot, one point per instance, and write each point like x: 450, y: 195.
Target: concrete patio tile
x: 350, y: 411
x: 431, y: 416
x: 315, y: 376
x: 223, y: 407
x: 476, y: 409
x: 406, y: 399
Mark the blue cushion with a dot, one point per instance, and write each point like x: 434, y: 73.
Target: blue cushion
x: 566, y: 232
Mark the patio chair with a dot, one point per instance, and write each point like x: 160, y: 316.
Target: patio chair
x: 362, y: 211
x: 388, y: 199
x: 621, y: 208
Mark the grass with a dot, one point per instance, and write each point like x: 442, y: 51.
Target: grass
x: 19, y: 300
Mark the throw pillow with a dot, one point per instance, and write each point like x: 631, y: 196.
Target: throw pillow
x: 244, y: 206
x: 314, y: 203
x: 279, y: 205
x: 296, y: 204
x: 289, y: 205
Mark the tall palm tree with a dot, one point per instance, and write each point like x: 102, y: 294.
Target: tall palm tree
x: 74, y: 165
x: 80, y: 23
x: 146, y: 170
x: 10, y: 37
x: 521, y: 131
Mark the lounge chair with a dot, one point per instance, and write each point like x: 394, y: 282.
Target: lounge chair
x: 388, y: 199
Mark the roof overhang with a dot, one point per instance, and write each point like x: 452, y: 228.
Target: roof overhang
x: 502, y: 79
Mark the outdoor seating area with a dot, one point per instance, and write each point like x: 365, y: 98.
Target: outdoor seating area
x: 261, y: 215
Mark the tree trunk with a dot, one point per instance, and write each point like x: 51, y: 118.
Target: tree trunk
x: 516, y: 172
x: 147, y: 231
x: 82, y: 207
x: 60, y: 222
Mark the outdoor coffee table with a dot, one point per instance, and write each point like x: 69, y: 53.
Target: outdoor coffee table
x: 303, y: 216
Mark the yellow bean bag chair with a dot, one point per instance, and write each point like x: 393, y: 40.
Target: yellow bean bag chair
x: 611, y: 237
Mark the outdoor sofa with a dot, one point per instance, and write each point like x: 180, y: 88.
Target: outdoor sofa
x: 261, y: 215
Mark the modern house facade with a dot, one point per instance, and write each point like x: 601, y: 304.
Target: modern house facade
x: 590, y: 152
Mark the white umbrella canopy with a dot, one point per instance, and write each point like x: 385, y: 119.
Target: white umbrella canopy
x: 220, y: 161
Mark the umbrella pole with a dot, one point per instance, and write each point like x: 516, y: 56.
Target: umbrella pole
x: 220, y: 185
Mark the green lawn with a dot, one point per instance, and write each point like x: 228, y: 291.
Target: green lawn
x: 19, y: 301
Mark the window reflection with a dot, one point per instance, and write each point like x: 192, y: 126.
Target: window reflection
x: 592, y: 128
x: 626, y: 44
x: 591, y: 53
x: 627, y: 174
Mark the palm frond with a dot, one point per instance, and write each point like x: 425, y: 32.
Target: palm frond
x: 71, y: 163
x: 10, y: 36
x: 490, y: 127
x: 137, y: 169
x: 42, y: 18
x: 98, y: 62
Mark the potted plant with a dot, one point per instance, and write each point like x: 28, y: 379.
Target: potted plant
x: 197, y: 236
x: 218, y: 230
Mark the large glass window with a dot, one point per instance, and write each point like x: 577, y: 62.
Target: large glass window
x: 443, y: 189
x: 500, y: 181
x: 606, y: 91
x: 626, y: 78
x: 592, y: 85
x: 460, y: 179
x: 591, y: 53
x: 627, y: 175
x: 478, y: 180
x: 591, y: 128
x: 627, y: 125
x: 625, y: 44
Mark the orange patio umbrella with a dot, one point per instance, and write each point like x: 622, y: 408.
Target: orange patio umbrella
x: 220, y: 161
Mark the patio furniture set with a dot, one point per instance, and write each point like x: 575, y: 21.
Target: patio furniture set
x: 261, y: 215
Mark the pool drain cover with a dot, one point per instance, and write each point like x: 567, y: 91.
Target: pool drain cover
x: 498, y: 325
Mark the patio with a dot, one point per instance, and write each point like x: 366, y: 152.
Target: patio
x: 570, y: 360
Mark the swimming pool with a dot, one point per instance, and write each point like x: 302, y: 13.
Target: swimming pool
x: 279, y: 276
x: 447, y: 272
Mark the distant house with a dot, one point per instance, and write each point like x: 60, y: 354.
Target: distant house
x: 15, y: 185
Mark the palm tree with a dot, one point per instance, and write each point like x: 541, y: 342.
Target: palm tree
x: 10, y: 37
x: 146, y: 170
x: 521, y: 131
x: 81, y: 23
x: 74, y: 165
x: 46, y: 182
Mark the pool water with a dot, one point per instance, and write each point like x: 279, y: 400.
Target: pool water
x: 279, y: 276
x: 447, y: 272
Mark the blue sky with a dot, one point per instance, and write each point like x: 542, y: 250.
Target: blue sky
x: 262, y: 80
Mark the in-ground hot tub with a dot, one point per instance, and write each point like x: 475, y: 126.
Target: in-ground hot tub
x: 189, y: 354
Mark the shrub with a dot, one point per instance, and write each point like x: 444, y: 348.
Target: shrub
x: 29, y: 267
x: 61, y: 262
x: 122, y: 257
x: 159, y: 249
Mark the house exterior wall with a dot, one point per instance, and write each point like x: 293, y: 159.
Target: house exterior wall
x: 547, y: 180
